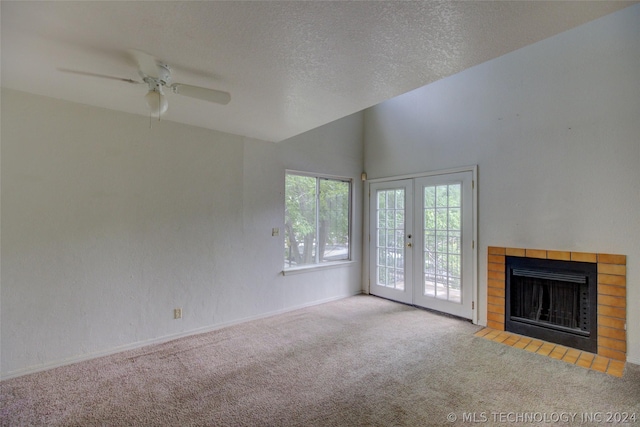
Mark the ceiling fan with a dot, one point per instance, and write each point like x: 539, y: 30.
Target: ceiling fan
x: 157, y: 75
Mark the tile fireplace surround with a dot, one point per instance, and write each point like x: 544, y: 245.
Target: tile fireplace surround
x: 612, y: 295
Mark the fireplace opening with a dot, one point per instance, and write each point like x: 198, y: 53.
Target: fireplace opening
x: 552, y: 300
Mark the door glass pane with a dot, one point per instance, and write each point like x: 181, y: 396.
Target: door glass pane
x: 390, y: 242
x: 442, y: 252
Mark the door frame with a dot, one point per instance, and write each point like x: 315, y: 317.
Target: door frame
x: 366, y: 272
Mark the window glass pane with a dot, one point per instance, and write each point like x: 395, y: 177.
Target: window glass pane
x: 300, y: 220
x: 317, y: 219
x: 334, y: 220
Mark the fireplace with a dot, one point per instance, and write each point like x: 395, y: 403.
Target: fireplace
x: 611, y: 299
x: 552, y: 300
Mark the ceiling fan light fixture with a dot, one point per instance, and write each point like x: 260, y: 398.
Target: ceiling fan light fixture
x: 157, y: 102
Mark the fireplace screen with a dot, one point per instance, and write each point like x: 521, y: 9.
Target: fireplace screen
x: 552, y: 300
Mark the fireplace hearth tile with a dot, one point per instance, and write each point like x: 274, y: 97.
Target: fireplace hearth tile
x: 545, y: 349
x: 585, y: 360
x: 558, y: 352
x: 533, y: 346
x: 600, y: 364
x: 571, y: 356
x: 580, y: 358
x: 521, y: 344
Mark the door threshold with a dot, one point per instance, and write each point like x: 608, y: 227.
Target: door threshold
x: 419, y: 307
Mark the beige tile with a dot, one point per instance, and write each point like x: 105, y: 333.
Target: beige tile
x: 583, y: 257
x: 612, y: 279
x: 616, y: 291
x: 533, y: 346
x: 612, y: 343
x: 495, y: 300
x: 571, y: 356
x: 482, y: 332
x: 617, y: 312
x: 522, y: 343
x: 511, y: 340
x: 617, y: 334
x: 612, y: 354
x: 612, y: 301
x: 492, y: 334
x: 558, y: 352
x: 495, y: 283
x: 515, y: 252
x: 501, y: 337
x: 536, y: 253
x: 495, y: 275
x: 612, y: 259
x: 499, y: 326
x: 616, y: 368
x: 611, y: 322
x: 494, y: 266
x: 585, y: 360
x: 616, y: 269
x: 545, y: 349
x: 496, y: 292
x: 600, y: 364
x: 497, y: 259
x: 494, y: 250
x: 559, y: 255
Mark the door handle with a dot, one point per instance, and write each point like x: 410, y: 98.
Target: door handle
x: 409, y: 245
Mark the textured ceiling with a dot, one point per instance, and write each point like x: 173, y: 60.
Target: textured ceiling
x: 289, y: 66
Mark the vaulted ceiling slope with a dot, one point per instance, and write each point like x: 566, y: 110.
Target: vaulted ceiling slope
x: 289, y: 66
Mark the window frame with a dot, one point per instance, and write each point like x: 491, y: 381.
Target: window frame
x: 322, y: 264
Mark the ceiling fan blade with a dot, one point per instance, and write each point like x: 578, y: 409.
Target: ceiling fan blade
x: 205, y: 94
x: 147, y: 64
x: 102, y: 76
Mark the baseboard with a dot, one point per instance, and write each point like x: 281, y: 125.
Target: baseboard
x: 634, y: 360
x: 160, y: 340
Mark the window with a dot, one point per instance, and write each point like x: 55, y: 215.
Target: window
x: 317, y: 219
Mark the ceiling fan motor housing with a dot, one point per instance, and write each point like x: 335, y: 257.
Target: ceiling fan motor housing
x: 163, y: 78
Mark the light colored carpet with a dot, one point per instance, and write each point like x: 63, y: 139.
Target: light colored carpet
x: 358, y: 361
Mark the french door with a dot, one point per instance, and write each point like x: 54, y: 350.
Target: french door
x: 421, y: 241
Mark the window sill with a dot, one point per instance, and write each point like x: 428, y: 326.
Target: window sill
x: 316, y: 267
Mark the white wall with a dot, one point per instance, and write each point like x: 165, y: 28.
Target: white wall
x: 555, y: 131
x: 107, y: 225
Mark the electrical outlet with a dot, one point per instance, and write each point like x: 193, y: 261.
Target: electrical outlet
x: 177, y: 313
x: 275, y: 232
